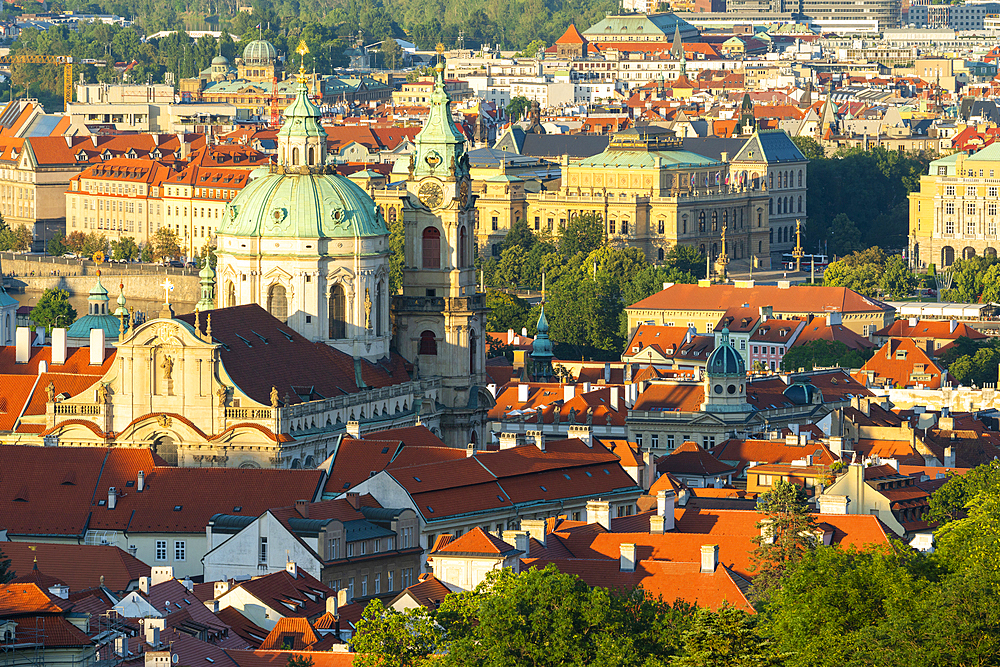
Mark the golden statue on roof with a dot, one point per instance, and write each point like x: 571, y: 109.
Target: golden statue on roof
x: 302, y: 50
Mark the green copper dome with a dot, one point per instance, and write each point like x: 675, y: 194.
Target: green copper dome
x: 98, y: 316
x: 302, y: 206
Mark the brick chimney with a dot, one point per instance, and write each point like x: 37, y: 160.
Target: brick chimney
x: 353, y: 498
x: 302, y: 507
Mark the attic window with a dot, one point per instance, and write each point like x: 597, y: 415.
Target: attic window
x: 264, y: 340
x: 385, y: 450
x: 606, y: 472
x: 417, y: 478
x: 177, y: 508
x: 430, y: 509
x: 244, y: 340
x: 238, y: 508
x: 588, y: 474
x: 347, y: 485
x: 543, y: 488
x: 287, y: 335
x: 499, y: 497
x: 99, y: 502
x: 566, y: 476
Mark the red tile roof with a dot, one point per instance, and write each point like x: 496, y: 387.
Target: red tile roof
x: 476, y: 542
x: 818, y: 329
x: 937, y: 329
x: 671, y: 396
x: 25, y: 599
x: 742, y: 452
x: 429, y: 592
x: 246, y: 629
x: 794, y: 300
x: 305, y: 594
x: 79, y: 566
x: 290, y: 633
x: 280, y: 658
x: 897, y: 363
x: 691, y: 459
x: 286, y: 360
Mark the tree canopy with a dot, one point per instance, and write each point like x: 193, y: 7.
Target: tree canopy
x: 53, y: 310
x: 873, y: 273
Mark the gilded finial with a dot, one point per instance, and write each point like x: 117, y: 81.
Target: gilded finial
x: 302, y: 50
x: 197, y: 323
x: 208, y: 330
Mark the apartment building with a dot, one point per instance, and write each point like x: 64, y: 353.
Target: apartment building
x: 117, y: 198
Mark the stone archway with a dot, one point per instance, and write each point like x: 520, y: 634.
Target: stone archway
x: 947, y: 256
x: 968, y: 252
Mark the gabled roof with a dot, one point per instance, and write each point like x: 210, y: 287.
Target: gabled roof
x: 692, y: 459
x: 571, y: 36
x: 793, y: 300
x: 429, y: 592
x: 302, y: 595
x: 476, y: 542
x: 280, y: 658
x: 930, y: 329
x: 902, y: 363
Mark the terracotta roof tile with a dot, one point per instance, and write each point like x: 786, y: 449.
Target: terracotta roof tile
x: 290, y: 633
x: 794, y: 300
x: 669, y: 397
x: 692, y: 459
x: 429, y: 592
x: 79, y: 566
x: 280, y: 658
x: 476, y: 541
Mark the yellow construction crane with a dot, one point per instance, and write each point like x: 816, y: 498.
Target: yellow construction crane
x: 65, y: 61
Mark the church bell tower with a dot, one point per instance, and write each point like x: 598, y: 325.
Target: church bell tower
x: 439, y: 317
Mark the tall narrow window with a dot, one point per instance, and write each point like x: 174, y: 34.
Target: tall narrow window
x: 295, y: 156
x: 230, y: 294
x: 338, y: 313
x: 463, y: 242
x: 472, y: 351
x: 378, y: 309
x: 312, y: 155
x: 277, y: 303
x: 432, y: 248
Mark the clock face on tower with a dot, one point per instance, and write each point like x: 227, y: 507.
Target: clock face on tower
x: 430, y: 194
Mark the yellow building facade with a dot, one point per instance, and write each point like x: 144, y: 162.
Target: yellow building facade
x: 954, y: 213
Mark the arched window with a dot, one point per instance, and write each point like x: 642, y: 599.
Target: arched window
x: 800, y: 203
x: 770, y: 235
x: 684, y: 225
x: 770, y: 206
x: 659, y: 227
x: 428, y: 344
x: 701, y: 221
x: 230, y: 293
x: 770, y: 180
x: 715, y: 221
x: 701, y: 249
x: 378, y: 309
x: 312, y: 155
x: 432, y: 248
x: 725, y: 218
x: 463, y: 242
x: 800, y: 178
x: 295, y: 155
x: 338, y: 312
x: 277, y: 303
x: 659, y: 254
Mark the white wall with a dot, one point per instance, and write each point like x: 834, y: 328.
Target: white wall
x: 239, y: 554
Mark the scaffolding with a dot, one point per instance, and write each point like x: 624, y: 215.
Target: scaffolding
x: 22, y: 645
x: 112, y: 640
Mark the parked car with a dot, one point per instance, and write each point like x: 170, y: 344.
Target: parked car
x: 191, y: 265
x: 176, y: 264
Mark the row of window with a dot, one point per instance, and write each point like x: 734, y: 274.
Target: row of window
x: 707, y: 441
x: 784, y: 205
x: 180, y: 550
x: 972, y: 190
x: 363, y: 589
x: 970, y: 227
x: 970, y: 208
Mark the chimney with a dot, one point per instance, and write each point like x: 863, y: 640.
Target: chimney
x: 342, y: 598
x: 112, y: 498
x: 522, y: 393
x: 829, y: 504
x: 292, y: 569
x: 42, y: 367
x: 96, y: 347
x: 152, y: 633
x: 39, y: 336
x: 519, y: 540
x: 607, y: 372
x: 539, y: 439
x: 302, y: 507
x: 724, y: 157
x: 912, y: 322
x: 524, y: 331
x: 949, y: 457
x: 582, y: 432
x: 220, y: 588
x: 331, y: 605
x: 952, y: 325
x: 187, y: 583
x: 569, y: 392
x: 158, y: 575
x: 535, y: 528
x: 508, y: 440
x: 833, y: 318
x: 58, y: 346
x: 354, y: 430
x: 140, y: 482
x: 60, y: 591
x: 470, y: 449
x: 510, y: 336
x: 614, y: 398
x: 627, y: 557
x: 837, y: 446
x: 665, y: 500
x: 144, y: 585
x: 709, y: 558
x: 213, y: 606
x: 586, y: 388
x: 353, y: 498
x: 22, y: 345
x: 599, y: 511
x: 655, y: 525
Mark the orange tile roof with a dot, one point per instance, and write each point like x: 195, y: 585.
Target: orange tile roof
x: 280, y: 658
x: 665, y: 396
x: 293, y: 630
x: 79, y: 566
x: 937, y: 329
x: 742, y: 452
x: 429, y: 592
x: 818, y: 329
x: 791, y: 300
x: 476, y: 542
x: 897, y: 362
x: 692, y: 459
x: 24, y: 599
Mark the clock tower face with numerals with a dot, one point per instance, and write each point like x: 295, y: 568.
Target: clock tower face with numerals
x: 431, y: 194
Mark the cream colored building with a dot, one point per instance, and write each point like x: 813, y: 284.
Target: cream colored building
x: 118, y: 198
x: 954, y: 214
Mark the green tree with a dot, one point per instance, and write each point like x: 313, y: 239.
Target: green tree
x: 860, y: 271
x: 519, y: 235
x: 397, y: 241
x: 532, y: 49
x: 299, y: 661
x: 55, y: 246
x: 973, y: 542
x: 726, y: 638
x: 898, y: 282
x: 388, y: 638
x: 686, y: 259
x: 583, y: 233
x: 165, y: 244
x: 53, y: 310
x: 124, y: 248
x: 147, y: 253
x: 75, y: 242
x: 787, y: 531
x: 970, y: 279
x: 979, y: 369
x: 844, y: 236
x: 392, y: 54
x: 823, y: 353
x: 810, y: 148
x: 518, y: 107
x: 948, y: 502
x: 506, y: 312
x: 95, y: 243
